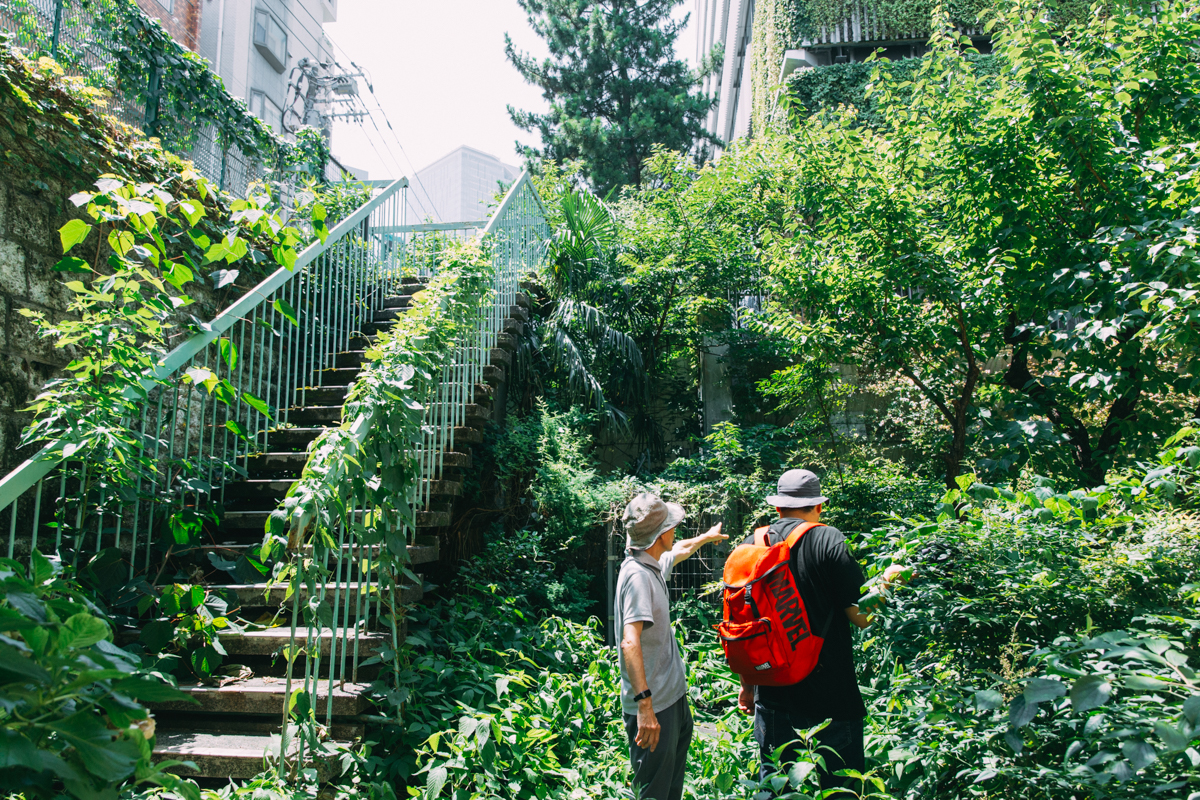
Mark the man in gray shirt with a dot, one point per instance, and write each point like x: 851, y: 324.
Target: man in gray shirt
x: 658, y: 719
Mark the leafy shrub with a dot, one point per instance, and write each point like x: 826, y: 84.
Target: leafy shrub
x: 71, y: 709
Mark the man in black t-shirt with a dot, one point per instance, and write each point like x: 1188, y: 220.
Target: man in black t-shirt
x: 830, y: 582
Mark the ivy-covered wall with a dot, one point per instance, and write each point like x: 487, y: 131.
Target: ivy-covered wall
x: 781, y: 25
x: 812, y: 90
x: 52, y: 145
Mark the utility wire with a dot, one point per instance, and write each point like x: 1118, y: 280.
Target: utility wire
x: 388, y: 122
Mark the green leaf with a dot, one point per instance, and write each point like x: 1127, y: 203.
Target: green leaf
x: 43, y: 569
x: 102, y: 755
x: 1090, y: 692
x: 1040, y: 690
x: 1191, y: 709
x: 988, y: 699
x: 72, y: 264
x: 156, y: 635
x: 205, y: 661
x: 87, y: 630
x: 288, y: 312
x: 1139, y: 753
x: 236, y: 429
x: 177, y: 274
x: 1175, y: 739
x: 229, y: 353
x: 152, y: 690
x: 1021, y: 711
x: 120, y: 241
x: 15, y: 749
x: 435, y: 780
x: 257, y: 404
x: 71, y: 234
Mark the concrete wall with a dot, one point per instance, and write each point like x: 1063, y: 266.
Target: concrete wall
x: 30, y: 217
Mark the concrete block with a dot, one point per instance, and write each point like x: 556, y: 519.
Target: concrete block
x: 29, y: 220
x: 13, y: 278
x: 46, y: 287
x: 23, y: 340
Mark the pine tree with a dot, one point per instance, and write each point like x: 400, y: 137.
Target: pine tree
x: 614, y: 85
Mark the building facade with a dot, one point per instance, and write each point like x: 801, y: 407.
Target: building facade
x: 264, y: 51
x: 458, y: 187
x: 765, y: 41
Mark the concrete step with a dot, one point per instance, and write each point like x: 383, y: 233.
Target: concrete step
x: 456, y: 460
x: 445, y: 488
x: 506, y: 341
x: 268, y: 642
x: 483, y: 394
x: 295, y: 438
x: 336, y: 376
x: 501, y: 357
x: 523, y: 300
x: 258, y: 595
x: 328, y: 395
x: 468, y: 435
x: 351, y: 358
x: 278, y: 462
x: 265, y: 489
x: 313, y: 416
x: 251, y: 524
x: 421, y: 553
x: 513, y: 327
x: 230, y: 755
x: 518, y: 313
x: 397, y: 302
x: 493, y: 374
x: 266, y: 696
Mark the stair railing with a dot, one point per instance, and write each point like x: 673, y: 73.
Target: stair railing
x: 515, y: 236
x: 271, y: 345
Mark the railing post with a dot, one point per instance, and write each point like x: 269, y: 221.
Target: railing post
x: 58, y: 8
x: 152, y: 91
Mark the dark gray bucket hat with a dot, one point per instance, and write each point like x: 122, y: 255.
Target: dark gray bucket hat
x: 798, y: 488
x: 646, y: 518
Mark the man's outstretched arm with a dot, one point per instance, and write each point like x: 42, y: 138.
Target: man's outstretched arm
x: 683, y: 549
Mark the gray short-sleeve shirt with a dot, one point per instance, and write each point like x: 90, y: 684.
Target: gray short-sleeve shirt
x: 642, y: 597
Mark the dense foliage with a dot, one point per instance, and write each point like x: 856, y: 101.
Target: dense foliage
x: 615, y: 86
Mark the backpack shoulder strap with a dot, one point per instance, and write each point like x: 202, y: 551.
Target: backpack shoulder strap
x: 799, y: 531
x: 760, y: 535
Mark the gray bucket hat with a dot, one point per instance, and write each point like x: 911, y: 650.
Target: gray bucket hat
x: 798, y: 488
x: 646, y: 518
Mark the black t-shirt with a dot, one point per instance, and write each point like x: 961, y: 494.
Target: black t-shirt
x: 830, y: 581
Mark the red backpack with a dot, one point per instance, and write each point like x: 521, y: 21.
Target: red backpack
x: 766, y: 632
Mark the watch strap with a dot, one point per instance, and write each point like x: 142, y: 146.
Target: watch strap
x: 637, y: 698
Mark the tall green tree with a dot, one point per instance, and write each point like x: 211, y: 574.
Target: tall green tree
x: 614, y: 85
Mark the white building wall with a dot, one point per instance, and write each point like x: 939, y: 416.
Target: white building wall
x: 731, y: 23
x: 227, y: 41
x: 458, y: 187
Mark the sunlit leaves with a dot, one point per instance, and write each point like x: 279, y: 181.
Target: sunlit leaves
x: 72, y: 233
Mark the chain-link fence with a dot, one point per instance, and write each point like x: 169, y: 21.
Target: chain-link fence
x: 152, y: 82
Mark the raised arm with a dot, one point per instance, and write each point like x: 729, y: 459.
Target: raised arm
x: 683, y: 549
x: 893, y: 574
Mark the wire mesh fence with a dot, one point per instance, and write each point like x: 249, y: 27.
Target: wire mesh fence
x: 82, y: 36
x: 692, y: 579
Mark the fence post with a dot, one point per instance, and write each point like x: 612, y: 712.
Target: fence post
x: 152, y: 92
x: 58, y: 6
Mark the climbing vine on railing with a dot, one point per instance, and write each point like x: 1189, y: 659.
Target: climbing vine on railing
x: 386, y: 408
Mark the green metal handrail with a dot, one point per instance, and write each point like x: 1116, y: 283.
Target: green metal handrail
x: 334, y: 288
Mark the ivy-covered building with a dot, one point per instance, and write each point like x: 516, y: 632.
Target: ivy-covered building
x: 764, y: 41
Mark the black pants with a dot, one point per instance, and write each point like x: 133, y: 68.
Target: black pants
x: 659, y: 775
x: 774, y: 728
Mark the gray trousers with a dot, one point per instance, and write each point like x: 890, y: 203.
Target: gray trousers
x: 659, y: 775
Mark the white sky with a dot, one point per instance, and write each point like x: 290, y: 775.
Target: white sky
x: 439, y: 72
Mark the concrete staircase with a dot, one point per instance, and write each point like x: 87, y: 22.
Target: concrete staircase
x: 236, y: 723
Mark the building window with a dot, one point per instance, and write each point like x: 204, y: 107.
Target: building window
x: 169, y: 5
x: 265, y: 109
x: 270, y: 39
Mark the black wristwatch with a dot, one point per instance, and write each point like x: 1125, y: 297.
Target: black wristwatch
x: 637, y: 698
